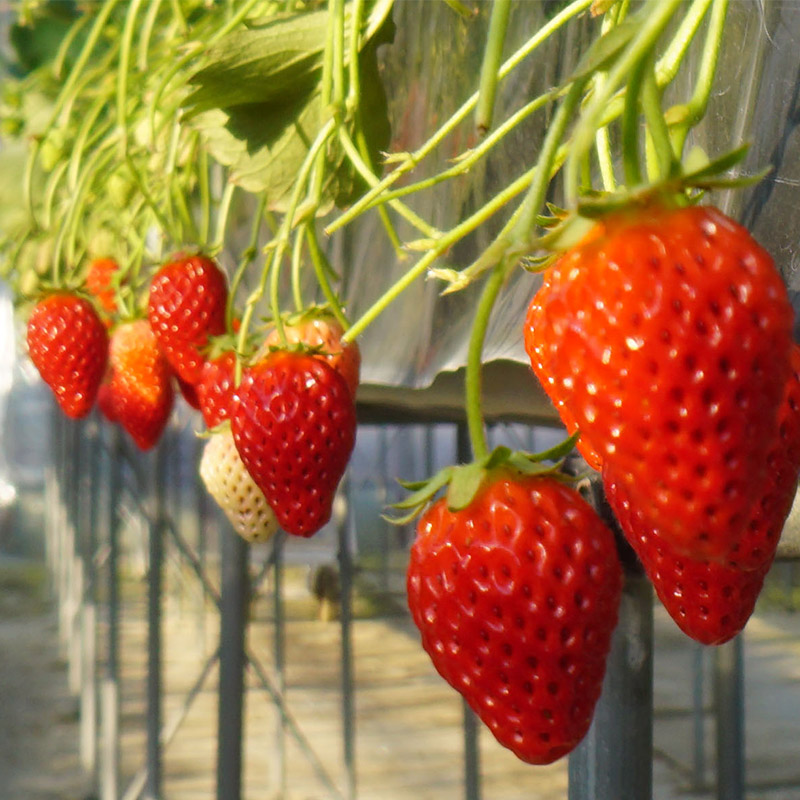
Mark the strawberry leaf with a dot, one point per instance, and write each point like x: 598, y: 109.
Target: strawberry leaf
x: 465, y: 482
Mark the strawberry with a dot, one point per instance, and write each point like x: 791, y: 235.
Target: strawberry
x: 323, y: 333
x: 105, y: 399
x: 216, y: 387
x: 187, y: 305
x: 516, y: 597
x: 68, y: 345
x: 188, y: 392
x: 100, y: 283
x: 141, y: 382
x: 230, y: 484
x: 294, y: 424
x: 712, y: 602
x: 664, y: 338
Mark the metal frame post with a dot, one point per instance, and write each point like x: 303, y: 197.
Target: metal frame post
x: 109, y: 695
x: 345, y: 558
x: 729, y: 701
x: 152, y: 790
x: 233, y: 621
x: 280, y: 661
x: 615, y: 760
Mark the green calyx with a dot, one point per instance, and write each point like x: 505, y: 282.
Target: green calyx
x: 463, y: 482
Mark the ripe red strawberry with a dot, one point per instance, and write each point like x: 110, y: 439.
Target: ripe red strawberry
x: 516, y: 597
x: 324, y: 333
x: 712, y: 602
x: 231, y: 485
x: 141, y: 382
x: 664, y: 337
x: 294, y: 424
x: 100, y: 282
x: 68, y: 345
x: 105, y: 400
x: 188, y: 392
x: 216, y: 387
x: 187, y: 305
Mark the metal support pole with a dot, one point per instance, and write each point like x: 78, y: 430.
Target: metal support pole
x: 472, y: 764
x: 346, y: 630
x: 152, y: 789
x: 729, y: 701
x: 280, y: 661
x: 698, y: 719
x: 109, y: 695
x: 233, y: 620
x: 615, y: 760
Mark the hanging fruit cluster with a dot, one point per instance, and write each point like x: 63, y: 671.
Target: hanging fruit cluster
x: 661, y: 331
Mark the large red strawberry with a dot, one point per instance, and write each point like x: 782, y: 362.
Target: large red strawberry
x: 516, y: 597
x: 216, y: 387
x: 294, y: 424
x: 322, y: 332
x: 68, y: 345
x: 141, y: 382
x: 664, y: 338
x: 186, y: 306
x: 712, y: 602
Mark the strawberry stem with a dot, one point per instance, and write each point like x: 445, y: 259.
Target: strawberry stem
x: 297, y: 262
x: 322, y: 269
x: 492, y: 57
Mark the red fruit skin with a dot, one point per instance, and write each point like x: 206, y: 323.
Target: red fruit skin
x: 99, y: 283
x: 516, y: 598
x: 105, y: 399
x: 325, y: 332
x: 216, y: 388
x: 68, y: 345
x: 712, y: 602
x: 294, y: 425
x: 141, y: 383
x: 664, y: 338
x: 188, y: 392
x: 186, y: 306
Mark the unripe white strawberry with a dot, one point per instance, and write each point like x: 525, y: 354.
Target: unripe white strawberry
x: 230, y: 484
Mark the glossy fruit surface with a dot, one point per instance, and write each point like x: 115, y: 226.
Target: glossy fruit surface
x: 294, y: 424
x: 325, y: 334
x: 215, y: 389
x: 141, y: 382
x: 516, y: 597
x: 68, y: 345
x: 186, y: 306
x: 664, y: 337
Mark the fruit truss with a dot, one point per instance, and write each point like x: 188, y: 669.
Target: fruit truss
x: 181, y: 170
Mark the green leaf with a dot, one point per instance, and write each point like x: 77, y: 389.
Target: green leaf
x: 718, y: 165
x: 258, y: 106
x: 427, y: 491
x: 464, y: 484
x: 260, y: 65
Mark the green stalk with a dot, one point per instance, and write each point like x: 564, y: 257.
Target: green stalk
x: 697, y: 105
x: 124, y: 67
x: 473, y: 384
x: 657, y: 126
x: 247, y: 258
x: 412, y: 159
x: 492, y: 58
x: 366, y: 173
x: 146, y: 34
x: 631, y: 158
x: 322, y: 269
x: 653, y: 18
x: 297, y: 262
x: 205, y: 194
x: 223, y: 213
x: 69, y: 40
